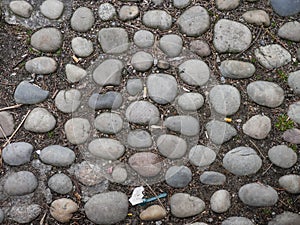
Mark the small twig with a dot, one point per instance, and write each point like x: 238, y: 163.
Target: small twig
x: 11, y: 107
x: 154, y: 194
x: 43, y: 219
x: 269, y: 167
x: 13, y: 134
x: 257, y: 149
x: 20, y: 61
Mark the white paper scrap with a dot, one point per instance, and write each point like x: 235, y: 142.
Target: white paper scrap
x: 137, y: 196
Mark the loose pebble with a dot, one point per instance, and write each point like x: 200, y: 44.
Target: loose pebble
x: 220, y: 201
x: 282, y: 156
x: 57, y: 155
x: 60, y: 183
x: 68, y: 101
x: 154, y: 212
x: 77, y: 130
x: 52, y: 9
x: 18, y: 153
x: 257, y: 127
x: 82, y: 19
x: 21, y: 8
x: 62, y: 209
x: 82, y: 47
x: 178, y: 176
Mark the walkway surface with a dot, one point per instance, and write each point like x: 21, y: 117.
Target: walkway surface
x: 194, y: 101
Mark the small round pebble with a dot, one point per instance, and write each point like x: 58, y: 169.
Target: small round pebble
x: 77, y: 130
x: 291, y: 183
x: 220, y: 201
x: 52, y: 9
x: 178, y: 176
x: 57, y: 155
x: 294, y: 81
x: 128, y: 12
x: 258, y: 127
x: 171, y: 146
x: 212, y: 178
x: 201, y: 156
x: 143, y: 38
x: 7, y: 124
x: 40, y: 120
x: 119, y: 174
x: 154, y: 212
x: 82, y: 19
x: 139, y: 139
x: 74, y: 73
x: 294, y: 112
x: 180, y: 4
x: 68, y: 101
x: 227, y: 4
x: 109, y: 123
x: 60, y: 183
x: 134, y: 86
x: 20, y: 183
x: 82, y: 47
x: 106, y: 11
x: 41, y: 65
x: 18, y: 153
x: 200, y: 47
x: 27, y: 93
x: 47, y: 39
x: 21, y: 8
x: 62, y: 209
x: 171, y: 45
x: 282, y: 156
x: 190, y: 101
x: 142, y: 61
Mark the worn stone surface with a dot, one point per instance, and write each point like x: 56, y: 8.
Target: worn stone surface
x: 27, y: 93
x: 113, y: 40
x: 154, y: 212
x: 17, y: 153
x: 237, y: 69
x: 190, y: 101
x: 291, y: 183
x: 235, y: 220
x: 23, y: 214
x: 171, y: 146
x: 257, y: 17
x: 77, y: 130
x: 107, y: 11
x: 52, y: 9
x: 286, y: 7
x: 47, y: 39
x: 143, y: 38
x: 142, y: 61
x: 157, y: 19
x: 200, y: 47
x: 109, y: 100
x: 106, y: 148
x: 294, y: 112
x: 82, y: 47
x: 134, y: 86
x: 212, y: 178
x: 178, y: 176
x: 186, y: 125
x: 227, y: 4
x: 282, y: 156
x: 139, y: 139
x: 171, y: 45
x: 220, y: 132
x: 142, y: 112
x: 82, y: 19
x: 41, y: 65
x: 74, y: 73
x: 128, y: 12
x: 57, y: 155
x: 60, y: 183
x: 294, y: 81
x: 7, y: 123
x: 62, y: 209
x: 68, y: 101
x: 21, y: 8
x: 109, y: 123
x: 257, y: 126
x: 220, y: 201
x: 286, y: 218
x: 201, y: 156
x: 292, y: 136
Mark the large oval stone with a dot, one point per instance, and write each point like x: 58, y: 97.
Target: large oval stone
x: 47, y: 39
x: 186, y: 125
x: 142, y: 112
x: 41, y: 65
x: 266, y: 93
x: 242, y: 161
x: 57, y: 155
x: 237, y: 69
x: 162, y: 88
x: 109, y: 123
x: 106, y: 148
x: 18, y: 153
x: 107, y: 208
x: 157, y: 19
x: 258, y: 195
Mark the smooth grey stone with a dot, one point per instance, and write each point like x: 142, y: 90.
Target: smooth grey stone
x: 292, y: 136
x: 109, y: 123
x: 134, y: 86
x: 235, y: 220
x: 109, y: 72
x: 258, y: 195
x: 60, y: 183
x: 291, y: 183
x: 21, y: 8
x: 162, y: 88
x: 143, y: 38
x: 128, y: 12
x: 146, y: 164
x: 52, y: 9
x: 113, y: 40
x: 225, y: 99
x: 220, y: 201
x: 107, y: 208
x: 41, y: 65
x: 40, y: 120
x: 200, y: 47
x: 142, y: 112
x: 106, y: 148
x: 82, y: 47
x: 47, y: 39
x: 7, y: 124
x: 220, y: 132
x: 194, y: 72
x: 266, y: 93
x: 119, y: 174
x: 212, y: 178
x: 231, y: 36
x: 106, y: 11
x: 286, y: 218
x: 194, y: 21
x: 18, y: 153
x: 294, y: 112
x: 171, y: 45
x: 294, y: 81
x: 178, y: 176
x: 20, y: 183
x: 27, y: 93
x: 237, y: 69
x: 77, y: 130
x: 82, y: 19
x: 180, y: 4
x: 2, y: 216
x: 139, y: 139
x: 74, y: 73
x: 109, y: 100
x: 272, y: 56
x: 157, y: 19
x: 242, y: 161
x: 258, y: 127
x: 184, y: 205
x: 282, y: 156
x: 24, y: 213
x: 286, y: 7
x: 142, y: 61
x: 227, y: 5
x: 257, y: 17
x: 68, y: 101
x: 201, y: 156
x: 171, y: 146
x: 57, y: 155
x: 190, y: 101
x: 186, y: 125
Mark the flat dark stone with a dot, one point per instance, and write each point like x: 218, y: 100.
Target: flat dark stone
x: 27, y: 93
x: 109, y: 100
x: 286, y: 7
